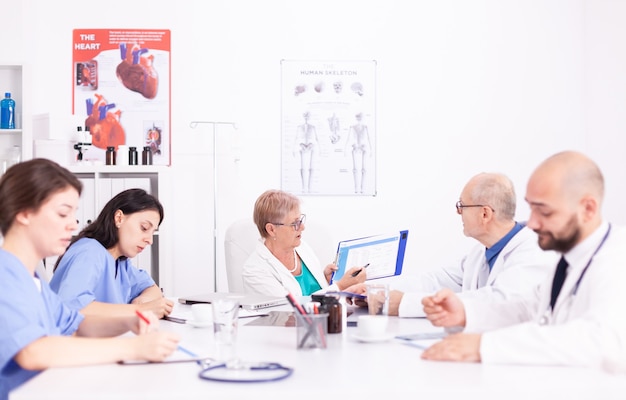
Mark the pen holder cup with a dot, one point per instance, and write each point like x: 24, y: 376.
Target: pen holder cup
x: 311, y: 331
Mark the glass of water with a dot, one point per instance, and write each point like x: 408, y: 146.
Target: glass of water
x: 225, y: 322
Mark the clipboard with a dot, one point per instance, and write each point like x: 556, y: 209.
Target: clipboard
x: 384, y: 254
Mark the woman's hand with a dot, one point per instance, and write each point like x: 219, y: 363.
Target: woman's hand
x: 155, y: 346
x: 348, y: 280
x: 161, y: 306
x: 329, y: 271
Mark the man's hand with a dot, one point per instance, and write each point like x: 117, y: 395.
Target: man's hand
x: 444, y: 308
x: 395, y: 297
x: 457, y: 347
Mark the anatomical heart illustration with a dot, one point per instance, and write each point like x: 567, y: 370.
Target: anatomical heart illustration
x: 103, y: 124
x: 136, y: 71
x: 123, y: 77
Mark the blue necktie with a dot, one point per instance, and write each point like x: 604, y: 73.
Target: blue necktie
x: 559, y: 278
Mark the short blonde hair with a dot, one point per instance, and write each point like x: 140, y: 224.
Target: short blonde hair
x: 273, y: 206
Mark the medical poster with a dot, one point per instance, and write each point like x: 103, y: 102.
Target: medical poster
x: 328, y: 138
x: 121, y: 87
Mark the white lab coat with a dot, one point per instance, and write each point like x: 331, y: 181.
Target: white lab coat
x: 521, y: 265
x: 587, y: 328
x: 263, y: 273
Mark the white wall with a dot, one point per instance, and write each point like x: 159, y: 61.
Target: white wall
x: 463, y: 87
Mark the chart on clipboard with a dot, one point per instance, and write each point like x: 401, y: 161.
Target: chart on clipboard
x: 383, y: 254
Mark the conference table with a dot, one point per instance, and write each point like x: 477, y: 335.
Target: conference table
x: 346, y: 368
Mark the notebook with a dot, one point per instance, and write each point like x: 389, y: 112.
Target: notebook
x: 246, y: 301
x: 382, y: 255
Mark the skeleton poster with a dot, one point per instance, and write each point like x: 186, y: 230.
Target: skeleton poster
x: 328, y: 127
x: 121, y: 89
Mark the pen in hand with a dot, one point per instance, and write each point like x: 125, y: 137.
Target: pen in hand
x: 180, y: 348
x: 355, y: 273
x: 143, y: 317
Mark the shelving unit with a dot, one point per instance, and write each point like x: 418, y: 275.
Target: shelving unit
x: 11, y: 80
x: 102, y: 182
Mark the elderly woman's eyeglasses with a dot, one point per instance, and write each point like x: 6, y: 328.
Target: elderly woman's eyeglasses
x: 296, y: 225
x: 460, y: 206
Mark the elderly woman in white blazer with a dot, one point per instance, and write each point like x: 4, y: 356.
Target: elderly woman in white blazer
x: 282, y: 262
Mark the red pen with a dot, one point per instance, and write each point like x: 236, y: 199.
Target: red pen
x: 143, y: 317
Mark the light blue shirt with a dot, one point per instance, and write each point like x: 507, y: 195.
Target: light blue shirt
x: 87, y: 272
x: 26, y: 314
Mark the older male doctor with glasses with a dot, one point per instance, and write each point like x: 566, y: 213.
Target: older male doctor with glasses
x: 505, y: 262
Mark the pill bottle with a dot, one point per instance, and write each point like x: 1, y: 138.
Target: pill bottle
x: 146, y: 156
x: 132, y: 156
x: 330, y: 304
x: 334, y: 314
x: 110, y: 155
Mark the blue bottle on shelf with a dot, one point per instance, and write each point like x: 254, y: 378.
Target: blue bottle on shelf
x: 7, y: 112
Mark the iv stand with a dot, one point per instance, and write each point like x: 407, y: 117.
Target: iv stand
x: 193, y: 125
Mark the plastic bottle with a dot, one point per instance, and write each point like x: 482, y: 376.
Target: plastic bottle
x: 122, y: 159
x: 7, y: 113
x: 110, y: 155
x: 146, y: 156
x: 132, y: 156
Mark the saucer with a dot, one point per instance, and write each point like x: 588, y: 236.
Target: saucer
x: 199, y: 324
x: 373, y: 339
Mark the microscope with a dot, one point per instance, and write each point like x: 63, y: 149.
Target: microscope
x: 82, y: 146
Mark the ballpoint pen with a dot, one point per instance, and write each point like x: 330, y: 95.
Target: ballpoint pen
x: 180, y: 348
x: 143, y: 317
x: 355, y: 273
x: 307, y: 318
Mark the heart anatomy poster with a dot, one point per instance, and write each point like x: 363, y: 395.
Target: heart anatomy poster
x: 329, y: 127
x: 121, y: 87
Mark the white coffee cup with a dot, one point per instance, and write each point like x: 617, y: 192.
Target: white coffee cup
x: 202, y: 313
x: 372, y: 326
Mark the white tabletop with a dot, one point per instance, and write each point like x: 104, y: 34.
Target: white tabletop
x: 346, y: 367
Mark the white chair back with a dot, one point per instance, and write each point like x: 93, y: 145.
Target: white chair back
x: 241, y: 238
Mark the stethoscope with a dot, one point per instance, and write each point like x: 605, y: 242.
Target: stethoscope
x: 545, y: 318
x: 243, y: 372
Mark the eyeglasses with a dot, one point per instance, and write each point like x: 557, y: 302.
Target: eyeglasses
x: 460, y: 206
x: 296, y: 225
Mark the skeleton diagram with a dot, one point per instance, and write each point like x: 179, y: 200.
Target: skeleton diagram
x: 306, y: 146
x: 333, y: 124
x: 359, y: 140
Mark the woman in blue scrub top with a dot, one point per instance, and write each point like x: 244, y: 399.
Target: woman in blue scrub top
x: 96, y: 276
x: 38, y: 201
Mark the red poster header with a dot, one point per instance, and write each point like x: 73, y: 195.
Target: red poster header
x: 89, y: 42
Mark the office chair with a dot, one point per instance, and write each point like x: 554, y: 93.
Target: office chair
x: 241, y: 238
